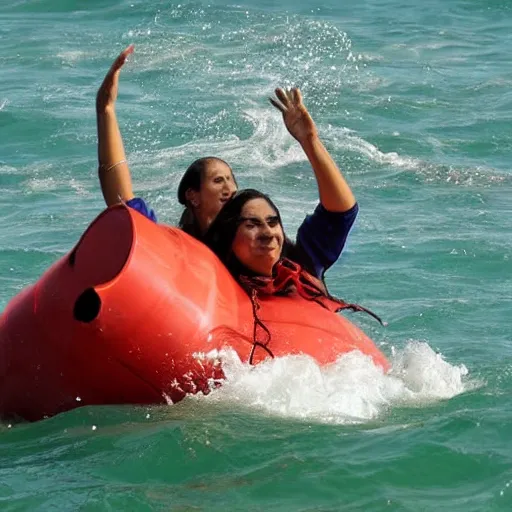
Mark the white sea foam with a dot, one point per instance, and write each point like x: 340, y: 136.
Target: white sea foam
x: 71, y: 57
x: 351, y: 390
x: 270, y: 146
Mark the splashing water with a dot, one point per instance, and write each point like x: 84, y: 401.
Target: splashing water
x: 351, y: 390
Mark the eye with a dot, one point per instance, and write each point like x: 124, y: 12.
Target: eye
x: 273, y: 222
x: 218, y: 179
x: 251, y: 223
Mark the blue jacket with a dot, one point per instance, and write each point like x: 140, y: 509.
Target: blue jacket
x: 321, y: 237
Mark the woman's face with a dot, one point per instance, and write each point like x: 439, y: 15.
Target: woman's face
x: 217, y: 187
x: 259, y: 238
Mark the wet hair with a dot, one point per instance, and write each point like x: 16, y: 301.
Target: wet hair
x: 222, y: 231
x: 219, y: 238
x: 192, y: 179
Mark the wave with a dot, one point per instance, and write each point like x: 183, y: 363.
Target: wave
x: 352, y: 390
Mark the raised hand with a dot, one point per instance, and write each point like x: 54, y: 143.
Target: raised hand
x: 295, y: 115
x: 107, y: 93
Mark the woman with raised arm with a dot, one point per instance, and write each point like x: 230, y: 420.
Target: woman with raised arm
x: 205, y: 187
x: 209, y: 182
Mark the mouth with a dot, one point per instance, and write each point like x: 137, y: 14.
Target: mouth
x: 267, y: 248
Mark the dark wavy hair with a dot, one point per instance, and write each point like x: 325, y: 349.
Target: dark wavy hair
x: 222, y: 231
x: 219, y: 238
x: 192, y: 179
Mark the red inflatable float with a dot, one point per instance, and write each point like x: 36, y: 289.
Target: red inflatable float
x: 129, y: 316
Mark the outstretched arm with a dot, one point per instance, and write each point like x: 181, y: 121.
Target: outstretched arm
x: 113, y: 170
x: 335, y: 193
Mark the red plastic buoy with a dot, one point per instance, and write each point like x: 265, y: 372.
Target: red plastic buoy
x: 128, y: 316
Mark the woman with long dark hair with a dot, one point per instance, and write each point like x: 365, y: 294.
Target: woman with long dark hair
x: 209, y: 182
x: 248, y: 237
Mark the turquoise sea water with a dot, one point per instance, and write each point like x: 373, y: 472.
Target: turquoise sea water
x: 414, y: 101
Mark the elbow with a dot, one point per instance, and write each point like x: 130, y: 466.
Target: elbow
x: 340, y: 206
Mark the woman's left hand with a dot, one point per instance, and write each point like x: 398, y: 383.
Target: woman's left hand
x: 295, y: 115
x: 107, y: 93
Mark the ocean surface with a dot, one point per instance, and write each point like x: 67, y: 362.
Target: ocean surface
x: 414, y: 101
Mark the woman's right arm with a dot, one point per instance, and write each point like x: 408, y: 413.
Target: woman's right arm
x: 335, y: 193
x: 113, y: 170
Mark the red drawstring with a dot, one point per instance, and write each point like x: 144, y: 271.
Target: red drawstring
x: 257, y: 321
x: 289, y: 276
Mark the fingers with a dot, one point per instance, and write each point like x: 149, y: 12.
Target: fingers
x: 283, y: 103
x: 288, y: 97
x: 108, y: 88
x: 297, y: 96
x: 121, y: 59
x: 124, y: 54
x: 282, y: 96
x: 277, y: 105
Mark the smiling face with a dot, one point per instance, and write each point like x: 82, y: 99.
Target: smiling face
x: 217, y: 187
x: 259, y: 238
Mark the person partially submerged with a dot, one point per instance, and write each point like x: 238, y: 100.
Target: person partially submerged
x: 248, y: 237
x: 209, y: 182
x: 204, y: 188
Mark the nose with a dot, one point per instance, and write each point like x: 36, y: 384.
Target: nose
x: 230, y: 187
x: 267, y: 230
x: 226, y: 189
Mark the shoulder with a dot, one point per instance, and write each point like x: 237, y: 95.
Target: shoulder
x: 323, y: 223
x: 138, y: 204
x: 321, y: 213
x: 322, y: 236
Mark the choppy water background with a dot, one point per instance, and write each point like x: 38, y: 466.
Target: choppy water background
x: 414, y: 101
